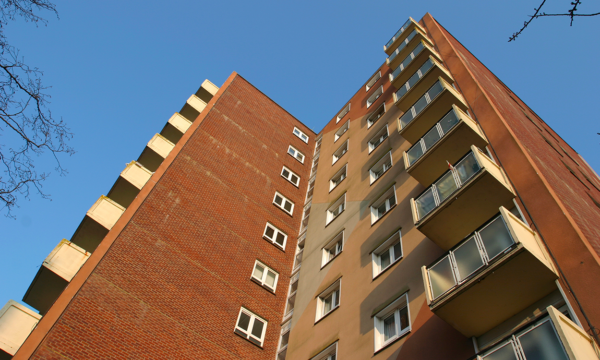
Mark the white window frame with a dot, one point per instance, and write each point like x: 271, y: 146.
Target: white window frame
x: 369, y: 120
x: 341, y: 131
x: 262, y: 280
x: 330, y: 353
x: 334, y: 291
x: 340, y: 152
x: 291, y: 174
x: 296, y: 154
x: 379, y: 135
x: 376, y: 95
x: 336, y: 244
x: 275, y: 232
x: 300, y: 134
x: 383, y: 200
x: 341, y: 202
x: 342, y: 113
x: 373, y: 81
x: 282, y: 206
x: 393, y: 308
x: 379, y: 163
x: 343, y: 172
x: 248, y: 333
x: 387, y: 246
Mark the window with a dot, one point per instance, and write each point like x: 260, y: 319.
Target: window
x: 372, y: 119
x: 333, y: 249
x: 374, y: 96
x: 318, y: 144
x: 313, y: 170
x: 290, y: 176
x: 373, y: 80
x: 305, y: 217
x: 340, y: 152
x: 283, y: 203
x: 383, y: 205
x: 392, y: 323
x: 328, y: 354
x: 296, y: 154
x: 328, y: 300
x: 387, y: 254
x: 336, y: 209
x: 380, y: 167
x: 378, y: 138
x: 311, y: 188
x: 337, y: 178
x: 251, y: 327
x: 283, y: 340
x: 301, y: 135
x: 265, y: 276
x: 343, y: 113
x: 275, y: 235
x: 341, y: 131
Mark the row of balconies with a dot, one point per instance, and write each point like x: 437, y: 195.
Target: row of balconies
x: 59, y: 268
x: 495, y: 265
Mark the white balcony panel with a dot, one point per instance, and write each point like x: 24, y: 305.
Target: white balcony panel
x: 136, y: 174
x: 16, y: 323
x: 105, y: 212
x: 181, y: 123
x: 160, y: 145
x: 196, y: 103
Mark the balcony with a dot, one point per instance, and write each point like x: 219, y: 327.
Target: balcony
x: 156, y: 151
x: 498, y: 271
x: 413, y: 61
x: 129, y: 184
x: 99, y: 219
x: 420, y: 81
x: 402, y: 50
x: 429, y: 109
x: 447, y: 141
x: 298, y: 260
x: 461, y: 199
x: 175, y: 128
x: 54, y: 275
x: 401, y: 35
x: 16, y: 323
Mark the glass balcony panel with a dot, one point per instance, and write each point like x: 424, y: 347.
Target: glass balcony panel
x: 466, y: 168
x: 435, y: 90
x: 506, y: 352
x: 406, y: 24
x: 425, y: 203
x: 468, y: 259
x: 446, y: 186
x: 414, y: 153
x: 406, y: 118
x: 426, y: 66
x: 448, y: 121
x: 431, y: 138
x: 495, y: 238
x: 420, y: 105
x: 441, y: 278
x: 542, y: 343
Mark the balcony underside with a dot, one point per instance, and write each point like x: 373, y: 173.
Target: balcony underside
x: 427, y: 81
x: 414, y: 65
x: 45, y: 288
x: 393, y: 46
x: 404, y: 52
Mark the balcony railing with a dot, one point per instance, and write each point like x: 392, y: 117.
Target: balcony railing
x: 400, y: 35
x: 16, y: 323
x: 516, y: 268
x: 418, y: 54
x: 446, y: 141
x: 394, y: 59
x: 461, y: 199
x: 99, y: 219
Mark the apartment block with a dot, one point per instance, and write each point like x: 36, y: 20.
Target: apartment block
x: 435, y: 216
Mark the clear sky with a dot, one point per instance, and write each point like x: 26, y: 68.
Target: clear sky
x: 120, y: 69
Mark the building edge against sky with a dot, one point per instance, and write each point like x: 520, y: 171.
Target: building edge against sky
x: 434, y: 208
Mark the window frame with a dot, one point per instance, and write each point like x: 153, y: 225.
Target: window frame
x: 335, y: 290
x: 285, y: 168
x: 262, y: 282
x: 336, y: 205
x: 387, y: 131
x: 394, y: 308
x: 383, y: 200
x: 297, y: 152
x: 329, y: 353
x: 300, y: 134
x: 333, y: 243
x: 247, y: 334
x: 373, y: 80
x: 338, y: 173
x: 275, y: 232
x: 337, y: 136
x: 369, y: 120
x: 336, y: 158
x: 374, y: 96
x: 372, y: 180
x: 387, y: 245
x: 345, y: 110
x: 282, y: 206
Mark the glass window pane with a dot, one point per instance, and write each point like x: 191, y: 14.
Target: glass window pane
x: 389, y: 327
x: 397, y: 251
x: 506, y: 352
x: 495, y: 238
x: 336, y: 298
x: 414, y: 153
x: 257, y: 328
x: 285, y: 173
x: 441, y: 278
x: 270, y: 279
x: 541, y: 343
x: 385, y: 259
x: 327, y: 305
x: 244, y: 321
x: 468, y: 259
x: 467, y: 168
x: 258, y: 272
x: 446, y: 186
x: 269, y: 232
x: 294, y: 179
x: 448, y: 121
x: 425, y: 203
x: 431, y: 138
x: 280, y: 239
x: 291, y: 151
x: 403, y: 318
x: 288, y: 206
x: 278, y: 200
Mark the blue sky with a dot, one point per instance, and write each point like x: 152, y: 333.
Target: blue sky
x: 119, y: 70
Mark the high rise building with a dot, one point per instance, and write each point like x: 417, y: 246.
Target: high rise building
x: 436, y: 216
